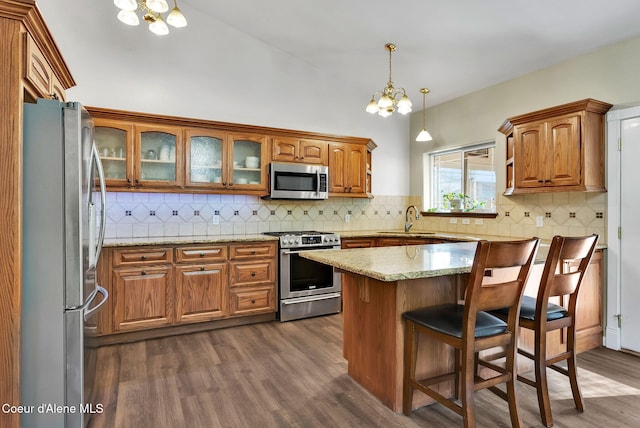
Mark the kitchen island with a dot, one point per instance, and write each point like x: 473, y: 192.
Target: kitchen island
x: 378, y: 286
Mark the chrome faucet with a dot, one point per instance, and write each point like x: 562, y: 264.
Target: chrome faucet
x: 407, y: 222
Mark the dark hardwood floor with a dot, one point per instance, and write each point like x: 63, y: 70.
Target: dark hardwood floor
x: 293, y: 375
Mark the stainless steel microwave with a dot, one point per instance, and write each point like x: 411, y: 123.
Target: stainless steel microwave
x: 298, y: 181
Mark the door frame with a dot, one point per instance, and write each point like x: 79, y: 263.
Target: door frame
x: 613, y: 308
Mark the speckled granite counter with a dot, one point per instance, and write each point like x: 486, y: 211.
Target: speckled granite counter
x: 180, y: 240
x: 407, y: 262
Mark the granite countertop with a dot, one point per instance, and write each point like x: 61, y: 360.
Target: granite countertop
x: 407, y: 262
x: 181, y: 240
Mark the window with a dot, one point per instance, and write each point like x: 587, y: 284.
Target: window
x: 466, y: 174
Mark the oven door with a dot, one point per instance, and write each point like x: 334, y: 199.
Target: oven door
x: 301, y: 277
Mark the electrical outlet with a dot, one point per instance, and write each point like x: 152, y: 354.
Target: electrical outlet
x: 215, y: 219
x: 466, y: 221
x: 453, y: 220
x: 479, y: 221
x: 347, y: 218
x: 539, y: 221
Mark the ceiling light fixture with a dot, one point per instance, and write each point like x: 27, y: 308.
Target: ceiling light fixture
x: 424, y: 134
x: 151, y: 12
x: 388, y: 101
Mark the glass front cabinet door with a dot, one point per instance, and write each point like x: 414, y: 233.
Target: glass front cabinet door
x: 159, y: 156
x: 114, y: 141
x: 204, y: 152
x: 248, y: 162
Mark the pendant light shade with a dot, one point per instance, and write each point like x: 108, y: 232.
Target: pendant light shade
x: 424, y: 134
x: 159, y: 6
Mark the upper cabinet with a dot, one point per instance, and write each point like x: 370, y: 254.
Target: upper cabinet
x: 350, y: 169
x: 40, y: 79
x: 558, y: 149
x: 299, y: 150
x: 145, y: 152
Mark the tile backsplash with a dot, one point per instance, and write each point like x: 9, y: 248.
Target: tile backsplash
x: 140, y: 215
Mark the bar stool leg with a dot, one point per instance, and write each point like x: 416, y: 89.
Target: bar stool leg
x: 540, y: 362
x: 468, y: 382
x: 512, y: 397
x: 410, y: 356
x: 572, y: 370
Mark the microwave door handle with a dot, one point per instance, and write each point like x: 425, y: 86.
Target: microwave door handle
x: 318, y: 182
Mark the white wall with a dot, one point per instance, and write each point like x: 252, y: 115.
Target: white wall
x: 230, y: 78
x: 610, y: 74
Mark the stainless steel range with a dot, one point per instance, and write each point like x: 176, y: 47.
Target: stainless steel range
x: 307, y: 288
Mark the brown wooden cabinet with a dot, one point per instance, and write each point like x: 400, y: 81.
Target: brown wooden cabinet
x: 299, y: 150
x: 253, y: 275
x: 367, y: 242
x: 347, y: 243
x: 143, y: 297
x: 557, y: 149
x: 347, y: 169
x: 114, y: 141
x: 156, y: 287
x: 158, y: 161
x: 40, y: 78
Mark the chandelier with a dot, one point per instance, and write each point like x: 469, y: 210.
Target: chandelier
x: 424, y: 134
x: 151, y: 11
x: 391, y: 99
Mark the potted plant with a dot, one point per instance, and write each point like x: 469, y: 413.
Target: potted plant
x: 454, y: 201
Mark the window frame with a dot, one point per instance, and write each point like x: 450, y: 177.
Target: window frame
x: 430, y: 189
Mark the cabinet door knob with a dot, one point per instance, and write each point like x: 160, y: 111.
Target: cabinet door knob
x: 129, y: 180
x: 143, y: 257
x: 224, y: 183
x: 137, y: 182
x: 201, y: 254
x: 143, y: 273
x: 547, y: 181
x: 253, y: 301
x: 201, y: 268
x: 230, y: 183
x: 540, y: 181
x: 253, y: 274
x: 253, y: 251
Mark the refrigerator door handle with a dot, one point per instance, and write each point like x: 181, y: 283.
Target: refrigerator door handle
x: 105, y: 296
x: 96, y: 247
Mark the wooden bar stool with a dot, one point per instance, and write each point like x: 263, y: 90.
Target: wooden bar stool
x: 469, y: 329
x: 560, y: 277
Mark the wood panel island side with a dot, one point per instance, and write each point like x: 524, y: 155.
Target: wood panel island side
x: 380, y: 284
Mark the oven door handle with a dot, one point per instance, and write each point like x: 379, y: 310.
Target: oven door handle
x: 311, y: 299
x: 288, y: 252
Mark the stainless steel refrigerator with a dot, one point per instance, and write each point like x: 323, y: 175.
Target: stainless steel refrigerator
x: 63, y: 229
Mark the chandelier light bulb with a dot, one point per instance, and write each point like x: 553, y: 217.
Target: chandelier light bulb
x: 385, y: 112
x: 159, y: 27
x: 385, y: 102
x: 159, y: 6
x: 126, y: 4
x: 129, y: 17
x: 372, y: 107
x: 176, y: 18
x: 404, y: 105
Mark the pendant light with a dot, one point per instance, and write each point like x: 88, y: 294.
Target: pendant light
x: 388, y: 101
x: 151, y: 11
x: 424, y: 134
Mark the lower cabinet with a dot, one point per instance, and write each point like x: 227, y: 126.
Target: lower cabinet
x: 367, y: 242
x: 143, y: 297
x: 202, y: 292
x: 157, y: 287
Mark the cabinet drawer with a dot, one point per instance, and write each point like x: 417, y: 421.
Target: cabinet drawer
x: 203, y: 254
x: 137, y: 257
x: 253, y: 273
x: 246, y: 251
x: 253, y: 300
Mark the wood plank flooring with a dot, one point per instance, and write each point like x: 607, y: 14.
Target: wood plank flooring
x: 293, y: 375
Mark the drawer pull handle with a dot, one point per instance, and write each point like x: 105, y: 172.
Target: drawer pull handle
x: 201, y: 254
x: 143, y: 273
x: 143, y: 257
x: 201, y: 268
x: 253, y: 251
x: 253, y: 301
x: 253, y: 274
